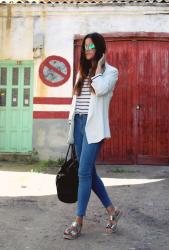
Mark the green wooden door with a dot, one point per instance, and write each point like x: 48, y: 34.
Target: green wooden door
x: 16, y: 83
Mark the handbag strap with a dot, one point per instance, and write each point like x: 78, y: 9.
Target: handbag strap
x: 73, y: 152
x: 67, y: 152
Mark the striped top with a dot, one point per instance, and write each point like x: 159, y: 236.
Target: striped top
x: 83, y: 100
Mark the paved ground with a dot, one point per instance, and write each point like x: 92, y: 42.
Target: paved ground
x: 34, y: 218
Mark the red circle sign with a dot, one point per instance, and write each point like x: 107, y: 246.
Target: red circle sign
x: 54, y: 71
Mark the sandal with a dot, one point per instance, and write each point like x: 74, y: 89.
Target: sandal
x: 73, y: 231
x: 111, y: 227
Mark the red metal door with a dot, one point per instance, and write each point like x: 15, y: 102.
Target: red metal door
x: 139, y: 109
x: 119, y: 149
x: 152, y: 109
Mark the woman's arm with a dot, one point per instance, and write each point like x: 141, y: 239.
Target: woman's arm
x: 102, y: 84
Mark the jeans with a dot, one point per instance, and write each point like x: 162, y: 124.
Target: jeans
x: 88, y: 178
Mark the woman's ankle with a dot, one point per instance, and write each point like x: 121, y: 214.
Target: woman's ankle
x: 79, y: 220
x: 111, y: 209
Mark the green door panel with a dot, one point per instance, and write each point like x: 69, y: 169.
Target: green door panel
x: 16, y: 106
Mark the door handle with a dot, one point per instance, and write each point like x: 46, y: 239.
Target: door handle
x: 138, y: 106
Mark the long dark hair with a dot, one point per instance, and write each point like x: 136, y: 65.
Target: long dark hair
x: 86, y: 68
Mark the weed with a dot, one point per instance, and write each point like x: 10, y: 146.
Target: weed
x: 122, y: 170
x: 47, y: 166
x: 34, y: 158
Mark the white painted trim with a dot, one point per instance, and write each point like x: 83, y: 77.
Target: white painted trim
x: 47, y: 107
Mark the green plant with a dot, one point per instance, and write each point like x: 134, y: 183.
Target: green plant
x: 118, y: 170
x: 34, y: 157
x: 60, y: 161
x: 49, y: 165
x: 14, y: 157
x: 39, y: 166
x: 122, y: 170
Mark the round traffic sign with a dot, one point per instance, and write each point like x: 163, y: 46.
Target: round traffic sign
x: 54, y: 71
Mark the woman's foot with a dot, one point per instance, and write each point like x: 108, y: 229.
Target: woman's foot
x: 73, y: 231
x: 114, y: 216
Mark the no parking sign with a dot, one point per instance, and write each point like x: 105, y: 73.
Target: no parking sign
x: 54, y: 71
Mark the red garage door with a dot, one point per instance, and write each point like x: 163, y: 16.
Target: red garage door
x: 139, y: 110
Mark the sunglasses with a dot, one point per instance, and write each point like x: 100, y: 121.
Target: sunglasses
x: 91, y: 46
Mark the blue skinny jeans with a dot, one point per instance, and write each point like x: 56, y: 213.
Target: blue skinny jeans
x: 88, y: 178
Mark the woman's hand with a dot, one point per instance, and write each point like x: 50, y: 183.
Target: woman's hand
x: 100, y: 65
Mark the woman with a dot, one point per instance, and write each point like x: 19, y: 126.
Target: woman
x: 89, y: 125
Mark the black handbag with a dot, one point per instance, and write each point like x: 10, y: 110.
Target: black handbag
x: 67, y: 178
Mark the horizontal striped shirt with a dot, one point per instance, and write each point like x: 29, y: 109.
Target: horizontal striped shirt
x: 83, y: 100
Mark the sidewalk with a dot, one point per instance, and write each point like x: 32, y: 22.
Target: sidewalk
x: 37, y: 222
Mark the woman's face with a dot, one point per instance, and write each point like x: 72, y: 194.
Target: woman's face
x: 90, y: 50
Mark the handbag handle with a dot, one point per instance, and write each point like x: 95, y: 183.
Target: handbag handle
x: 67, y: 152
x: 73, y: 153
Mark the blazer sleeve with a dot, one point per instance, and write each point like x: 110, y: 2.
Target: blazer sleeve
x: 72, y: 104
x: 103, y: 83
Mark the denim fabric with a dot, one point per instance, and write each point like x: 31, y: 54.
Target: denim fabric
x: 88, y: 178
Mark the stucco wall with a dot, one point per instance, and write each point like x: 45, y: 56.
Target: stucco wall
x: 19, y: 26
x: 49, y: 138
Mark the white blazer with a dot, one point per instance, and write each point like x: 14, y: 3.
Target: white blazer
x: 97, y: 124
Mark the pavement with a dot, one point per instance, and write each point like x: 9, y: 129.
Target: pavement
x: 32, y: 217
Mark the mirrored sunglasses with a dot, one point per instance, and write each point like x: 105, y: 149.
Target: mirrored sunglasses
x: 91, y: 46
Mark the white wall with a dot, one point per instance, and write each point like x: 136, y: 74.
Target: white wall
x: 19, y: 25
